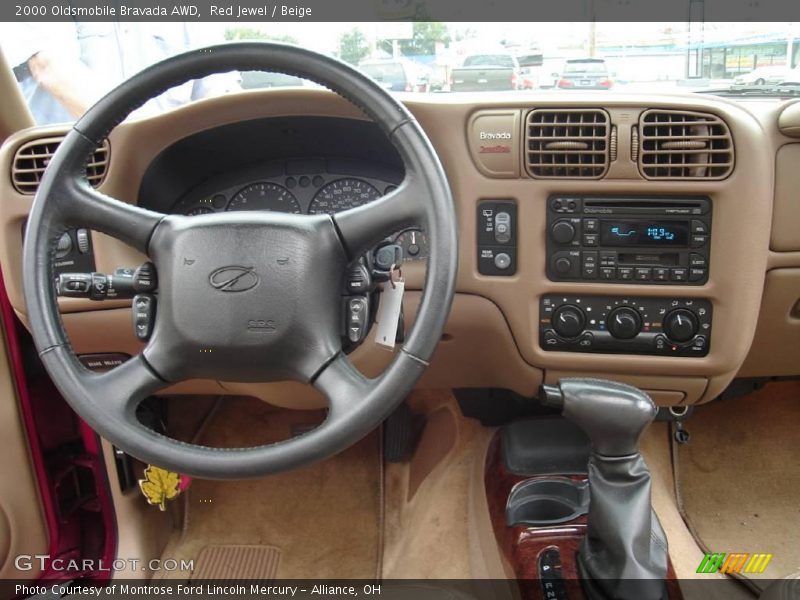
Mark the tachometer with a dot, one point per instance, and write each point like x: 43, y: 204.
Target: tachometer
x: 265, y: 196
x: 342, y: 194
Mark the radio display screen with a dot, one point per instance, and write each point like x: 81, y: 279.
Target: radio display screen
x: 644, y: 233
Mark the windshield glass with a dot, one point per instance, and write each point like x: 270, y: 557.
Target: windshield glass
x: 63, y: 68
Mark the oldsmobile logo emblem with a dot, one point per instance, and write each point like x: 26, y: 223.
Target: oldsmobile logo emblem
x: 233, y: 279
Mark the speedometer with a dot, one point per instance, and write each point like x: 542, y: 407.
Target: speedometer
x: 265, y: 196
x: 342, y: 194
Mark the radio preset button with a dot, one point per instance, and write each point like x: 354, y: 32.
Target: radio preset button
x: 625, y: 273
x: 643, y: 273
x: 661, y: 274
x: 678, y: 275
x: 608, y: 273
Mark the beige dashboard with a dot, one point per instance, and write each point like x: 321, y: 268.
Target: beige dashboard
x: 492, y: 336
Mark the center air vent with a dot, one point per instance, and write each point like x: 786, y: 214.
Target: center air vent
x: 567, y: 143
x: 32, y: 159
x: 678, y: 144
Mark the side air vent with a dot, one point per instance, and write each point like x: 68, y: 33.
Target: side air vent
x: 567, y: 143
x: 32, y: 159
x: 678, y: 144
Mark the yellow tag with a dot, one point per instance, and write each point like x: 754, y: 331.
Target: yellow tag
x: 159, y: 485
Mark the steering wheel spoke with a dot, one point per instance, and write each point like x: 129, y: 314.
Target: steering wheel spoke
x: 362, y: 227
x: 95, y: 210
x: 342, y: 384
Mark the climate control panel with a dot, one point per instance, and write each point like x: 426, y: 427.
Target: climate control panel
x: 625, y: 325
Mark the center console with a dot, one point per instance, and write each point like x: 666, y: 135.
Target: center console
x: 633, y: 240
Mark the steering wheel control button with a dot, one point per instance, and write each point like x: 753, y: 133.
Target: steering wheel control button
x: 502, y: 261
x: 497, y: 237
x: 144, y: 316
x: 145, y: 279
x: 356, y: 319
x: 632, y: 325
x: 359, y: 280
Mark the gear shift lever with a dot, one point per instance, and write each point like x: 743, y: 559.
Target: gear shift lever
x: 624, y: 554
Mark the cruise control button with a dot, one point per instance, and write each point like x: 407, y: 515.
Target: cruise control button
x: 678, y: 275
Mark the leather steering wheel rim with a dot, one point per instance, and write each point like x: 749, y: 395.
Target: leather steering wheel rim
x: 313, y: 252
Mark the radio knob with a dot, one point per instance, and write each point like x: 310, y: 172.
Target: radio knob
x: 562, y: 232
x: 680, y: 325
x: 563, y: 265
x: 569, y: 321
x: 624, y: 323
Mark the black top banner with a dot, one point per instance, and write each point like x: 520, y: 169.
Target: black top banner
x: 401, y: 10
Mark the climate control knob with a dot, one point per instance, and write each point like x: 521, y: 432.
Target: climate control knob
x: 569, y: 321
x: 562, y: 232
x: 624, y: 323
x: 680, y: 325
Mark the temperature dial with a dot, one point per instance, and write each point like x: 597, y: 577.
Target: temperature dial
x: 569, y: 321
x: 680, y: 325
x: 624, y: 323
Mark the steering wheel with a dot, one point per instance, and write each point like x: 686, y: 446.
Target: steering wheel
x: 296, y: 266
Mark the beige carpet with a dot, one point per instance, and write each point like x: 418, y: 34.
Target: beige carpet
x: 324, y: 519
x: 739, y: 477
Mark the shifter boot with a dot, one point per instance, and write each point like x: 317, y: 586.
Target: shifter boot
x: 624, y: 554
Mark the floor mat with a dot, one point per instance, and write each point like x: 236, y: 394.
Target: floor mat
x: 739, y: 476
x: 237, y: 562
x: 324, y: 518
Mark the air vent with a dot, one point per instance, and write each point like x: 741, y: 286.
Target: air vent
x: 33, y: 157
x: 568, y: 143
x: 677, y: 144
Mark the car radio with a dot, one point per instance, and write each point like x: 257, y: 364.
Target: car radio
x: 629, y: 239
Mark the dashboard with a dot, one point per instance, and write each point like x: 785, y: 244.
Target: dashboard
x: 610, y: 267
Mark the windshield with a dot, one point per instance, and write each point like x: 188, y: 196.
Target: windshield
x: 63, y: 68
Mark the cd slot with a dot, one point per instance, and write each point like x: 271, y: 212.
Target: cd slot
x: 645, y: 207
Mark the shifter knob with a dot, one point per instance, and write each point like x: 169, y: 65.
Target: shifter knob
x: 612, y: 414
